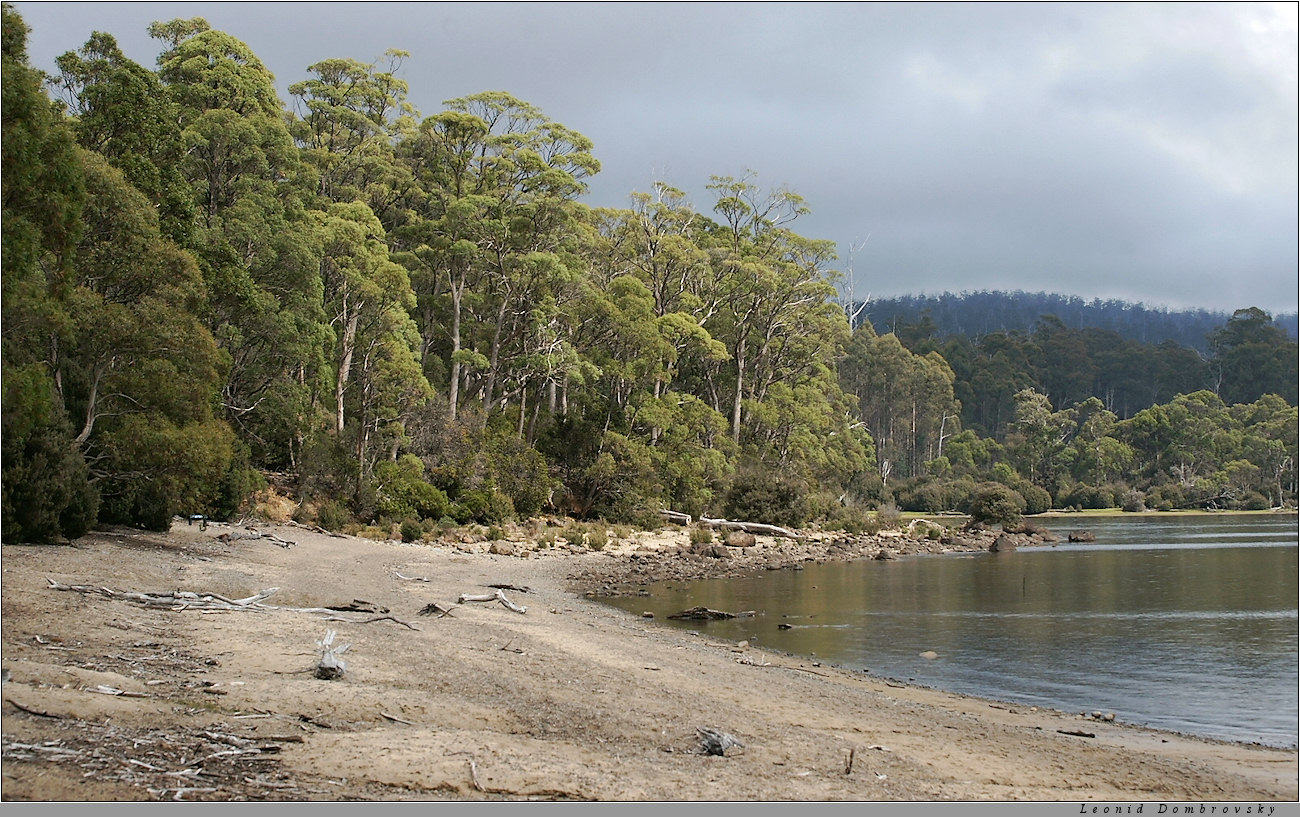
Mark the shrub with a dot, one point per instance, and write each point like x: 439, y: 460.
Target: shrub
x: 403, y: 492
x: 332, y: 515
x: 1037, y: 499
x: 995, y: 504
x: 1133, y: 502
x: 411, y: 531
x: 701, y: 535
x: 758, y: 494
x: 888, y: 515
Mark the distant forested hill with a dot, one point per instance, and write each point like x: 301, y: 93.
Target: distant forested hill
x: 972, y: 314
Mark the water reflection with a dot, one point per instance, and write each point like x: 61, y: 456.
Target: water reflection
x: 1178, y: 623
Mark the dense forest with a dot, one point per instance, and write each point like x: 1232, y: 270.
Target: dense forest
x: 413, y: 321
x: 972, y: 314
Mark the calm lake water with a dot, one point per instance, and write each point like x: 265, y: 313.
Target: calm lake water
x: 1182, y: 623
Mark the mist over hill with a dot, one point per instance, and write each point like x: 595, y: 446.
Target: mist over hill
x: 973, y: 314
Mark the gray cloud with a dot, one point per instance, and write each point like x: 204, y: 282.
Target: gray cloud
x: 1137, y: 151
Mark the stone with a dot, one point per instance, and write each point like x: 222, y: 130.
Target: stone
x: 740, y: 539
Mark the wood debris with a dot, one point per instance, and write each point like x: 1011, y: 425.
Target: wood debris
x: 716, y: 742
x: 178, y: 600
x: 497, y: 596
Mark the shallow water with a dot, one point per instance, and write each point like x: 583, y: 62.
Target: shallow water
x: 1184, y: 623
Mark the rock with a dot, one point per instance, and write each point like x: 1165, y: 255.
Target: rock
x: 1005, y: 543
x: 885, y: 554
x: 929, y: 655
x: 1082, y: 536
x: 712, y: 551
x: 740, y: 539
x: 502, y: 549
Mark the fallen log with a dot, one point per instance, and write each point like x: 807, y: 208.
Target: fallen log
x: 676, y: 516
x: 253, y: 534
x: 497, y: 596
x: 751, y: 527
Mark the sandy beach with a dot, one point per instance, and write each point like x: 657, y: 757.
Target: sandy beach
x: 120, y: 686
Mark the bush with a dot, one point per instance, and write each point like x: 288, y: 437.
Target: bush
x: 701, y: 535
x: 995, y: 504
x: 411, y: 531
x: 482, y: 505
x: 888, y: 516
x: 1133, y: 502
x: 402, y: 491
x: 1037, y: 500
x: 758, y: 494
x: 332, y: 515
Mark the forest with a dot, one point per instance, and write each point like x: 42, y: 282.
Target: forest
x: 411, y: 321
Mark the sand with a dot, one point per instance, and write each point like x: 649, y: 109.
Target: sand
x: 108, y: 699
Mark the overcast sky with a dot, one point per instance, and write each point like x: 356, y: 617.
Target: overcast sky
x: 1145, y: 152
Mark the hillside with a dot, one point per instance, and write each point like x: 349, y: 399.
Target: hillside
x: 972, y: 314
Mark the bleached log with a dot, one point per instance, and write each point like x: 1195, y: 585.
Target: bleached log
x: 497, y: 596
x: 676, y: 516
x: 751, y: 527
x: 330, y: 666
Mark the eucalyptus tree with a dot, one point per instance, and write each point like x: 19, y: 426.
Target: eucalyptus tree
x: 253, y: 238
x: 368, y: 298
x: 495, y: 234
x: 905, y: 399
x: 349, y: 117
x: 119, y: 110
x: 140, y: 374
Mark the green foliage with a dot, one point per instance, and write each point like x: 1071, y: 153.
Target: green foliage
x: 333, y: 515
x: 411, y: 531
x: 993, y: 503
x: 46, y: 489
x: 420, y: 320
x: 403, y: 492
x: 759, y: 494
x: 934, y: 495
x: 701, y: 535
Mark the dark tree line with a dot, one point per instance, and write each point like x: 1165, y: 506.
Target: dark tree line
x: 974, y: 314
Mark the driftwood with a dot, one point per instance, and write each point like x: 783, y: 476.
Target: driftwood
x: 435, y: 607
x: 1077, y: 733
x: 373, y: 620
x: 676, y: 516
x: 179, y: 600
x: 253, y: 534
x: 497, y: 596
x: 330, y: 667
x: 357, y: 606
x: 701, y: 614
x: 515, y: 587
x: 751, y: 527
x: 410, y: 578
x: 715, y: 742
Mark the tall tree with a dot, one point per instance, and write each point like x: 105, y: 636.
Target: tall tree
x: 253, y: 239
x: 1254, y: 357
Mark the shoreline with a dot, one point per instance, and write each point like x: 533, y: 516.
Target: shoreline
x: 572, y: 700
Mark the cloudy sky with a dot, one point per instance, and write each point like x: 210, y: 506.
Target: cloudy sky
x: 1145, y: 152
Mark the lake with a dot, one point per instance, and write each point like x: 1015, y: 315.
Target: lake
x: 1182, y: 623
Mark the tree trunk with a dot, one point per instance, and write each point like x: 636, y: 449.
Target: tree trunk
x: 457, y: 288
x: 345, y: 362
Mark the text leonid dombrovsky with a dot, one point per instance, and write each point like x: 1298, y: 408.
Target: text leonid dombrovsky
x: 1177, y: 808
